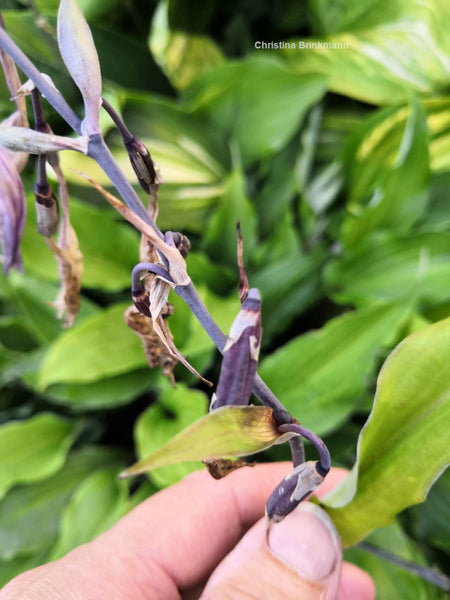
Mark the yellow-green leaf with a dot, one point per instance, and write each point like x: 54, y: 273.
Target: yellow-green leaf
x: 228, y: 431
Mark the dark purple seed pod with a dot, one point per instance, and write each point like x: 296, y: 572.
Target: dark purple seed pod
x: 240, y: 355
x: 47, y: 210
x: 294, y: 488
x: 142, y: 163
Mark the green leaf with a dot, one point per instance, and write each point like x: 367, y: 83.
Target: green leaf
x: 380, y: 58
x: 319, y: 375
x: 220, y: 238
x: 228, y: 431
x: 392, y: 581
x: 288, y: 287
x: 98, y: 347
x: 175, y: 409
x: 386, y: 268
x: 256, y: 102
x: 405, y: 443
x: 389, y: 170
x: 181, y: 56
x: 95, y: 506
x: 106, y: 393
x: 110, y: 248
x: 31, y: 300
x: 430, y: 521
x: 33, y: 449
x: 30, y: 514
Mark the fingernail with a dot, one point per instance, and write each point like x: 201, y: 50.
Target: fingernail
x: 307, y: 542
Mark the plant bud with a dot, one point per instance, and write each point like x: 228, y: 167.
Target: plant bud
x: 142, y: 164
x: 182, y: 244
x: 294, y: 488
x: 47, y: 210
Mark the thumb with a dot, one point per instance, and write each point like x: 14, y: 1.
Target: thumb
x: 300, y: 557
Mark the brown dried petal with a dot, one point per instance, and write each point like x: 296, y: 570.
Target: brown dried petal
x: 70, y: 269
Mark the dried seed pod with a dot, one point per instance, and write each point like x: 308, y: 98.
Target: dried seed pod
x: 294, y: 488
x: 240, y: 355
x: 47, y: 210
x: 182, y: 243
x: 142, y: 164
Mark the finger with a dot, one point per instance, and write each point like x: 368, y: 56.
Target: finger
x: 300, y: 557
x: 169, y: 542
x: 356, y: 584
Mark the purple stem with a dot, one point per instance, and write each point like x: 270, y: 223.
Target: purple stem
x: 136, y: 284
x: 324, y: 455
x: 260, y: 389
x: 52, y: 96
x: 100, y: 152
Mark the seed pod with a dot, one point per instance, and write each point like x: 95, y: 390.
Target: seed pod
x: 240, y: 355
x: 294, y: 488
x: 47, y: 210
x: 142, y: 301
x: 142, y: 164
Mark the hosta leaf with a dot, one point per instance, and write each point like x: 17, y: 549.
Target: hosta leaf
x: 220, y: 237
x: 387, y: 268
x: 388, y: 185
x: 256, y: 102
x: 392, y: 581
x: 405, y: 444
x: 94, y: 507
x: 98, y: 347
x: 379, y: 57
x: 33, y: 449
x: 176, y: 408
x: 320, y: 375
x: 30, y: 514
x: 181, y: 56
x: 226, y: 432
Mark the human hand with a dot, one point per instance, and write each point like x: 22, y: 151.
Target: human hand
x: 209, y: 539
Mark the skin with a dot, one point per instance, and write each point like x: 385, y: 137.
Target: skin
x: 170, y: 545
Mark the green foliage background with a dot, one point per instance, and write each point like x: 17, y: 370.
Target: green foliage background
x: 337, y: 163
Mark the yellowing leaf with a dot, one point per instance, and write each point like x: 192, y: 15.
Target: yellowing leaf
x: 228, y: 431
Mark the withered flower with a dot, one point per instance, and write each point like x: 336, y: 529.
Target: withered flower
x: 12, y: 212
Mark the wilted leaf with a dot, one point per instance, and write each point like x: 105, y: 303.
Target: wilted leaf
x: 405, y: 444
x: 33, y: 449
x: 226, y: 432
x: 320, y: 375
